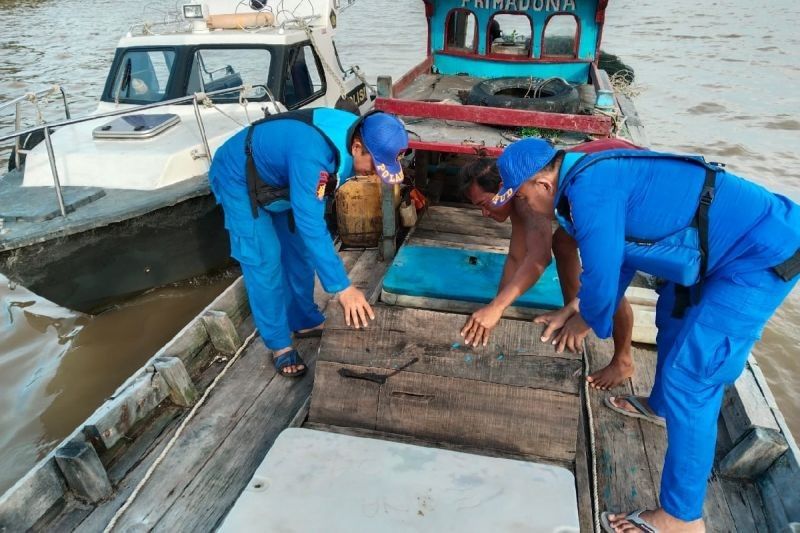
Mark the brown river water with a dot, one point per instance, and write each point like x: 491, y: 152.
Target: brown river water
x: 718, y: 78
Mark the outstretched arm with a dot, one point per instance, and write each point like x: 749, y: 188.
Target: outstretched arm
x: 528, y: 257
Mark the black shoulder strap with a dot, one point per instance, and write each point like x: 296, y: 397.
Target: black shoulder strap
x: 706, y: 198
x: 251, y: 170
x: 254, y: 181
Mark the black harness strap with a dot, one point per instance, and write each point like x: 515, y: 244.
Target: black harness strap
x: 789, y: 268
x: 684, y: 296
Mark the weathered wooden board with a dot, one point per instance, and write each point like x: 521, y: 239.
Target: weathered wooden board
x: 517, y: 419
x: 744, y: 408
x: 469, y: 219
x: 445, y: 222
x: 515, y: 354
x: 466, y: 395
x: 421, y: 241
x: 31, y: 497
x: 625, y: 482
x: 464, y: 240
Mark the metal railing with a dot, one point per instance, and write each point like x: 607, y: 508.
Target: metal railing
x: 196, y: 100
x: 32, y: 98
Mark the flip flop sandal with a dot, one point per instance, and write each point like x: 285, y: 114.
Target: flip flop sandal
x: 634, y: 518
x: 314, y: 333
x: 643, y: 412
x: 290, y: 358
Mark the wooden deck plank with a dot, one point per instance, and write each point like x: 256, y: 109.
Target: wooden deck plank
x: 422, y: 241
x: 464, y: 227
x: 211, y: 491
x: 470, y: 396
x: 515, y: 354
x: 457, y: 238
x: 219, y: 416
x: 455, y: 410
x: 624, y: 479
x: 472, y: 218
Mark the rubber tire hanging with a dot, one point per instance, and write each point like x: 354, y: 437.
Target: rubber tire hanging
x: 553, y: 95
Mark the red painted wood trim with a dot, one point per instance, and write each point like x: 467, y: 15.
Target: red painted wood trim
x: 451, y: 148
x: 591, y: 124
x: 423, y: 68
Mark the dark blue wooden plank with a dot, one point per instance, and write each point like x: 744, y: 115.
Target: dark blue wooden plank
x: 465, y: 275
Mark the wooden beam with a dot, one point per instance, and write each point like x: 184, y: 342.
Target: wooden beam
x: 385, y: 86
x: 744, y: 408
x: 591, y: 124
x: 86, y: 477
x: 221, y: 331
x: 30, y: 497
x: 754, y: 454
x: 181, y: 389
x: 115, y: 417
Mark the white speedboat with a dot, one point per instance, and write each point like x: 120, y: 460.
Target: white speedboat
x: 99, y: 207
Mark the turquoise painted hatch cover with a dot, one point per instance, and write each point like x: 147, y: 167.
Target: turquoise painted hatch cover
x: 465, y: 275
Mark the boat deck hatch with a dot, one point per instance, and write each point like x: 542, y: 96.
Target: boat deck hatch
x: 359, y: 484
x: 470, y: 276
x: 143, y: 126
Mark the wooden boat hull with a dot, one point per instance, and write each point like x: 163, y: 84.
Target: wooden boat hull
x: 86, y: 271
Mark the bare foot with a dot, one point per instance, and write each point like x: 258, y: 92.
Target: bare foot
x: 620, y: 369
x: 660, y: 520
x: 291, y: 369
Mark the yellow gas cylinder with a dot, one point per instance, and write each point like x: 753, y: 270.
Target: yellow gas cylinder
x: 358, y: 210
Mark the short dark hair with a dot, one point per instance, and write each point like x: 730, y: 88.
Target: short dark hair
x: 482, y: 172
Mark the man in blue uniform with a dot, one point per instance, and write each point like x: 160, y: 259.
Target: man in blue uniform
x: 729, y: 253
x: 272, y: 180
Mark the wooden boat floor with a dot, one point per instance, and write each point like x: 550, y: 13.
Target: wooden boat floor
x: 202, y: 476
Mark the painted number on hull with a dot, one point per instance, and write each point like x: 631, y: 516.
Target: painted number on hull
x: 358, y: 95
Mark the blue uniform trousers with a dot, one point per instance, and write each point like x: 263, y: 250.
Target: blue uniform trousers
x: 279, y: 280
x: 698, y: 356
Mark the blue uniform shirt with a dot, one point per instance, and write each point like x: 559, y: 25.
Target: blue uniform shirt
x: 287, y: 153
x: 750, y: 228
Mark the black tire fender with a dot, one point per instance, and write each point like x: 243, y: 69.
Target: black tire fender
x: 552, y: 95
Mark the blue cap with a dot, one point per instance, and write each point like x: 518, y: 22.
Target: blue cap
x: 384, y: 137
x: 519, y: 163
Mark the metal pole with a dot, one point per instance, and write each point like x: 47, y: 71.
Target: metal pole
x: 388, y: 243
x: 202, y: 128
x: 17, y: 125
x: 66, y: 106
x: 56, y: 182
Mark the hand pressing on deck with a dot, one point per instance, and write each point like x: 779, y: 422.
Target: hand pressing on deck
x: 356, y: 307
x: 480, y: 324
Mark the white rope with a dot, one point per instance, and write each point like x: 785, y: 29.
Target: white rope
x: 177, y: 435
x: 325, y: 65
x: 592, y: 449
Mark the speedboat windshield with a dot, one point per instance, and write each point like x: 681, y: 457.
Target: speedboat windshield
x: 150, y: 75
x: 143, y: 76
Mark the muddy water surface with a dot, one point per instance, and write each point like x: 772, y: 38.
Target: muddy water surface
x: 719, y: 78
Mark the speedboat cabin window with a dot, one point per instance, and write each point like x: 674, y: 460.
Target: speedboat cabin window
x: 304, y: 81
x: 510, y: 34
x: 560, y: 39
x: 143, y: 76
x: 215, y: 69
x: 462, y: 31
